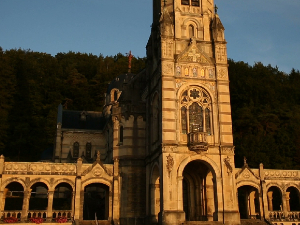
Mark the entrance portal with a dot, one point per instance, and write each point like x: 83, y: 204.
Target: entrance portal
x: 199, y: 192
x: 96, y: 202
x: 248, y: 202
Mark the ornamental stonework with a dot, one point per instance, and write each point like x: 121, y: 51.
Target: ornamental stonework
x: 167, y: 68
x: 278, y: 173
x: 39, y: 168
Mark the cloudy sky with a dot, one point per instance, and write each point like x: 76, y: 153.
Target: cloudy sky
x: 266, y: 31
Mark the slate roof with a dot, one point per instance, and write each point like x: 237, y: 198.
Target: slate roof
x: 72, y: 120
x: 119, y: 81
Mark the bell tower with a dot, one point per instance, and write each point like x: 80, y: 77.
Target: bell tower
x: 189, y: 135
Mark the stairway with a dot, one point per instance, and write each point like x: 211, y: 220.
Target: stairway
x: 253, y: 222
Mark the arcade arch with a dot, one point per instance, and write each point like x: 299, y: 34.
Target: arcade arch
x: 199, y: 192
x: 249, y: 204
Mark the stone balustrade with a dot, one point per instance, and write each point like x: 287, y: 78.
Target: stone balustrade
x: 197, y: 141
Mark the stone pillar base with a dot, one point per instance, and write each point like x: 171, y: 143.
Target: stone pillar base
x: 231, y: 218
x: 171, y: 217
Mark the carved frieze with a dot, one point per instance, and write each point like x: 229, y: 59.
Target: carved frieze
x: 39, y: 168
x: 279, y: 173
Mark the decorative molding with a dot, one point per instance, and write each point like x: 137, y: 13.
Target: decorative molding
x: 170, y: 164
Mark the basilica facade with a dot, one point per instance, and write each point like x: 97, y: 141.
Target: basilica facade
x: 161, y: 152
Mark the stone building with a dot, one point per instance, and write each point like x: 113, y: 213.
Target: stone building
x: 161, y: 152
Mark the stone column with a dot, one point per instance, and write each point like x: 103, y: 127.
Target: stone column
x: 50, y: 204
x: 2, y: 199
x: 210, y: 197
x: 270, y: 198
x: 252, y: 204
x: 73, y: 203
x: 287, y: 197
x: 284, y: 205
x: 180, y: 194
x: 25, y: 206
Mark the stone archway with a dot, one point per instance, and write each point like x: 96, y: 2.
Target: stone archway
x: 14, y: 195
x: 155, y: 194
x: 293, y: 201
x: 274, y: 199
x: 249, y: 206
x: 199, y: 192
x: 96, y: 202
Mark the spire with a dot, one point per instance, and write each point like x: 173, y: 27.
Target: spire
x: 130, y: 56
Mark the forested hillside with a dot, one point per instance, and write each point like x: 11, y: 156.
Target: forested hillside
x: 265, y: 103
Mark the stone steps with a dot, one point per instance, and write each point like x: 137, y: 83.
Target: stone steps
x: 203, y: 223
x: 253, y: 222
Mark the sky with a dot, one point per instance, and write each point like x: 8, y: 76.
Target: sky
x: 266, y: 31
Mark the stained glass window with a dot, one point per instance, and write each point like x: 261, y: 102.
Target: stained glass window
x: 183, y: 120
x: 196, y: 118
x: 207, y: 121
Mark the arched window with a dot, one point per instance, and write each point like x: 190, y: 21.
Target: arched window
x: 76, y: 150
x: 191, y: 31
x: 115, y: 95
x: 88, y: 150
x: 121, y: 135
x: 196, y: 115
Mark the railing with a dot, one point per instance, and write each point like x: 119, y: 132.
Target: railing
x: 37, y: 213
x: 280, y: 216
x: 197, y: 141
x: 63, y: 213
x: 11, y: 213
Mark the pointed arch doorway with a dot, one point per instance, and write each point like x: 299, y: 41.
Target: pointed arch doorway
x: 199, y: 192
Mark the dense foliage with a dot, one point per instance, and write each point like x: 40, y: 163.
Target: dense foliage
x: 33, y: 84
x: 266, y: 115
x: 265, y: 103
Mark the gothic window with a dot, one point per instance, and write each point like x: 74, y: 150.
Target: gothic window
x: 76, y: 150
x: 121, y: 135
x: 115, y: 96
x: 88, y: 150
x: 196, y: 114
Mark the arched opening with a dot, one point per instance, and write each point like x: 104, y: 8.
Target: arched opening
x: 292, y: 197
x: 248, y: 198
x: 14, y: 194
x: 39, y: 197
x: 199, y: 192
x: 155, y: 194
x: 274, y: 199
x: 191, y: 31
x: 96, y: 202
x: 62, y: 198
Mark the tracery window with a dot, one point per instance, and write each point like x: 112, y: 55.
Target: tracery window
x: 196, y: 115
x: 76, y: 150
x: 88, y: 150
x: 185, y: 2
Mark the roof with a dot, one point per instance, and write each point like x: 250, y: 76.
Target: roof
x: 85, y: 120
x: 119, y: 81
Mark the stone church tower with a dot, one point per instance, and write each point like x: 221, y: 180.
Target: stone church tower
x: 190, y: 153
